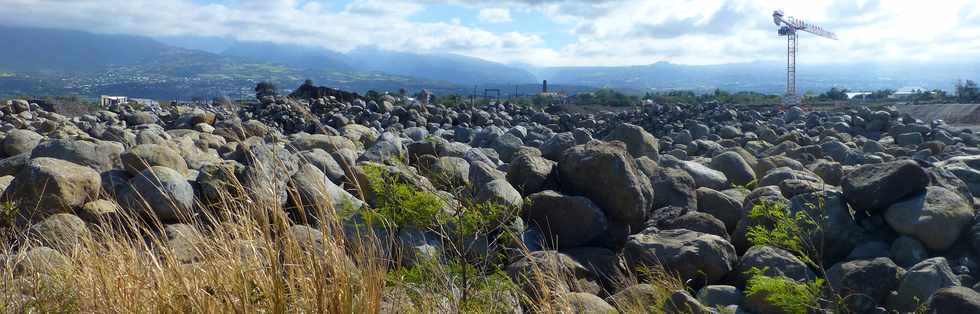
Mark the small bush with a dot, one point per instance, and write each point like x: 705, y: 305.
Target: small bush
x: 402, y: 204
x: 782, y: 229
x: 784, y: 293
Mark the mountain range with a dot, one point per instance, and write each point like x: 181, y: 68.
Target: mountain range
x: 36, y: 61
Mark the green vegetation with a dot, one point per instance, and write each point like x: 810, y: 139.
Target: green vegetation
x: 402, y: 204
x: 718, y: 96
x: 967, y: 92
x: 782, y: 229
x: 605, y: 97
x: 834, y: 94
x: 489, y: 292
x: 786, y: 294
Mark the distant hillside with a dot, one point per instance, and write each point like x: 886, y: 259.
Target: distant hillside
x: 50, y: 50
x: 445, y: 67
x: 300, y: 57
x: 451, y: 68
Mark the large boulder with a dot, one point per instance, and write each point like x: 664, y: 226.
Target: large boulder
x: 309, y: 193
x: 920, y: 282
x: 531, y: 174
x: 62, y: 232
x: 143, y: 156
x: 101, y: 156
x: 551, y: 269
x: 567, y: 221
x: 703, y: 175
x: 721, y: 206
x: 160, y: 191
x: 499, y: 192
x: 327, y: 143
x: 874, y: 187
x: 20, y: 141
x: 775, y: 262
x: 638, y: 141
x: 837, y: 233
x: 719, y: 295
x: 673, y: 187
x: 579, y: 302
x: 606, y: 174
x: 735, y: 168
x: 52, y: 186
x: 267, y: 169
x: 864, y: 284
x: 954, y: 300
x: 936, y: 217
x: 697, y: 221
x: 635, y: 298
x: 691, y: 255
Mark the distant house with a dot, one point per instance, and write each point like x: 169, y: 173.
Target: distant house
x: 857, y: 95
x: 906, y: 92
x: 107, y: 101
x: 146, y: 103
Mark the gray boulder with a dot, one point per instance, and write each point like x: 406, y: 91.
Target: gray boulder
x: 775, y: 262
x: 936, y: 217
x: 718, y: 295
x: 567, y: 221
x: 907, y: 251
x: 499, y: 192
x: 530, y: 174
x: 673, y: 187
x: 920, y: 282
x: 52, y: 185
x: 876, y: 186
x: 141, y: 157
x: 692, y: 255
x: 579, y: 302
x: 606, y: 174
x: 864, y: 284
x: 20, y: 141
x: 162, y: 192
x: 735, y: 168
x: 101, y: 156
x: 954, y: 300
x: 638, y: 141
x: 722, y: 206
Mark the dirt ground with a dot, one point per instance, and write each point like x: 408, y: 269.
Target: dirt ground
x: 964, y: 115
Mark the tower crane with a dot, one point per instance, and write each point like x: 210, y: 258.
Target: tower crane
x: 788, y: 26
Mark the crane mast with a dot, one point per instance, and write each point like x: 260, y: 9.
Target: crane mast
x: 788, y: 26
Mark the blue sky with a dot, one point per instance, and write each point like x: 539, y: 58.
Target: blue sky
x: 540, y: 32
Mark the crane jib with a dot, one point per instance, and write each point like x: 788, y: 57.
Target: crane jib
x: 788, y: 26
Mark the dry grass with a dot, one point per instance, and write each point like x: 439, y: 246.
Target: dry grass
x: 245, y: 255
x: 241, y: 257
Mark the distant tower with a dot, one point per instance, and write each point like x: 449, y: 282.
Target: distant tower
x: 544, y: 87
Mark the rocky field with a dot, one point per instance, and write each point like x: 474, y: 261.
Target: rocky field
x: 330, y: 205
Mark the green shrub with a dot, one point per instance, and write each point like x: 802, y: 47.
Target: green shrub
x: 784, y: 293
x: 782, y: 229
x: 481, y: 291
x: 402, y: 204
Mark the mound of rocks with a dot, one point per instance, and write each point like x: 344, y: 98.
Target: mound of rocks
x: 890, y: 200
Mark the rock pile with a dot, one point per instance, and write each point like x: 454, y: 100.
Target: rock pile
x: 661, y: 187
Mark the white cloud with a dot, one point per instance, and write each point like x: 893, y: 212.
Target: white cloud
x: 603, y: 32
x: 494, y: 15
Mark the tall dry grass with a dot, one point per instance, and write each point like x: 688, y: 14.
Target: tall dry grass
x: 246, y: 254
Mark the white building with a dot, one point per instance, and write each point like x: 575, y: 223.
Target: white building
x: 107, y: 101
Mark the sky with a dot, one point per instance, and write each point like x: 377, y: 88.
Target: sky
x: 543, y: 32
